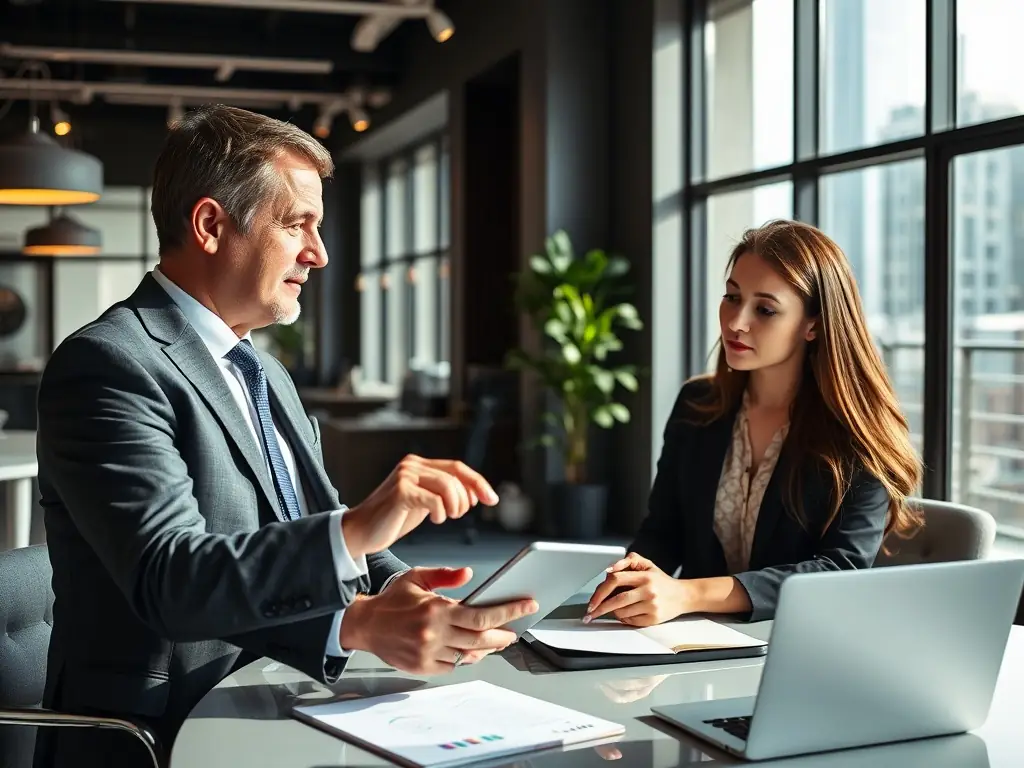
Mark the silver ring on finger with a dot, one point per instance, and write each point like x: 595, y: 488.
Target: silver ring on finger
x: 458, y: 657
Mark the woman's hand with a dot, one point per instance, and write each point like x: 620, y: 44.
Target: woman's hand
x: 639, y: 593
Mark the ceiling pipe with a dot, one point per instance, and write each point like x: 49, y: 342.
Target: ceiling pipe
x: 159, y: 101
x: 48, y: 89
x: 341, y: 7
x: 224, y: 66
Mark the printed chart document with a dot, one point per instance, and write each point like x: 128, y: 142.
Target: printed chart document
x: 608, y: 636
x: 455, y: 724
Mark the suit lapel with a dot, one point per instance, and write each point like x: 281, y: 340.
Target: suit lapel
x: 166, y: 323
x: 193, y: 359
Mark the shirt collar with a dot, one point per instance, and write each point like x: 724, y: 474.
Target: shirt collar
x: 215, y: 333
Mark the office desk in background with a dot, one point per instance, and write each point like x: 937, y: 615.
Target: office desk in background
x: 245, y: 720
x: 341, y: 405
x: 359, y: 453
x: 18, y: 465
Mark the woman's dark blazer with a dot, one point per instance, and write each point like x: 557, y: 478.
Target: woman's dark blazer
x: 679, y: 529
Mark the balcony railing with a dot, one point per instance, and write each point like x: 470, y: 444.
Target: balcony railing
x: 988, y: 438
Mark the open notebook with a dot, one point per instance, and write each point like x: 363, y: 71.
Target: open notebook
x: 455, y: 724
x: 610, y: 637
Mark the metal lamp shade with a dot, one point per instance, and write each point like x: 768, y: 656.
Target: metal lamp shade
x: 63, y: 236
x: 36, y: 170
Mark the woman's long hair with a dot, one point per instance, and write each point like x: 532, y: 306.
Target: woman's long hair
x: 846, y: 413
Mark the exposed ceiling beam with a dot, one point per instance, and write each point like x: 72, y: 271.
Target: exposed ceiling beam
x: 75, y: 90
x: 224, y: 66
x: 384, y: 63
x: 343, y: 7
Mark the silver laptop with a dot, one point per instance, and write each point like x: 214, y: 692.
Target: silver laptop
x: 868, y: 657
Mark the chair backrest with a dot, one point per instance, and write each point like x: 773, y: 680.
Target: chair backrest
x: 26, y: 615
x: 951, y: 531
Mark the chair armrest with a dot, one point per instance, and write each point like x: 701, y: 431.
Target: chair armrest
x: 48, y: 717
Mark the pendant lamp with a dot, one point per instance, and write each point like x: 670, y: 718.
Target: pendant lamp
x: 36, y: 170
x: 62, y: 236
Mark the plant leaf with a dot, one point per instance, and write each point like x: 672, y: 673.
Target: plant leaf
x: 627, y: 379
x: 603, y: 417
x: 562, y: 244
x: 617, y: 267
x: 540, y: 265
x: 571, y: 353
x: 627, y: 312
x: 564, y: 312
x: 605, y: 380
x: 619, y: 412
x: 556, y: 329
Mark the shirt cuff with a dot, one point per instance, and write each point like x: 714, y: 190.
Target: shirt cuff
x: 334, y: 639
x: 392, y: 577
x: 347, y: 568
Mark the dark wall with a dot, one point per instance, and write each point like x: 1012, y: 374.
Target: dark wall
x: 631, y: 218
x: 491, y: 229
x: 337, y: 319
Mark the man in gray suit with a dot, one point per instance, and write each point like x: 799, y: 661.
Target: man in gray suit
x: 190, y: 522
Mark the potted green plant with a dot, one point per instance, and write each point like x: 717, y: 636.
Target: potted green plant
x: 576, y: 304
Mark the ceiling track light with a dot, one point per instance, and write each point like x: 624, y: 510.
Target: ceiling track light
x: 359, y: 119
x: 60, y: 119
x: 322, y: 125
x: 440, y: 26
x: 175, y: 112
x: 373, y: 28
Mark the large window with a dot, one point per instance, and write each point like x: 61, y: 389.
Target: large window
x: 404, y: 263
x: 893, y: 127
x: 988, y: 332
x: 876, y: 215
x: 749, y: 49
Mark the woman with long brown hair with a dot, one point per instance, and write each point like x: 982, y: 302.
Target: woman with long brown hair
x: 792, y: 457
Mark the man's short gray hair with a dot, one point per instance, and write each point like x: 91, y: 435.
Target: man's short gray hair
x: 227, y: 154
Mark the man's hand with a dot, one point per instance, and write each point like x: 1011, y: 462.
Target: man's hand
x: 416, y: 488
x: 423, y: 633
x: 639, y: 593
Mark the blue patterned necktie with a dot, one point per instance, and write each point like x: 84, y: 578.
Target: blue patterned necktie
x: 244, y: 356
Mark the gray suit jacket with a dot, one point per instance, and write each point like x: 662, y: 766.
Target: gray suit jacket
x: 169, y: 552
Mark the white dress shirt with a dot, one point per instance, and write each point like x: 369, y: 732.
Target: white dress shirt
x: 219, y: 340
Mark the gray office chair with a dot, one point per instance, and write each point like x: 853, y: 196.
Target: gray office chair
x: 951, y: 532
x: 26, y: 615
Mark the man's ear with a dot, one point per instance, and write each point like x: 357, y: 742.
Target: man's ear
x: 207, y: 224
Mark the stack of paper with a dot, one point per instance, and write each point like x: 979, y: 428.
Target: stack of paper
x: 608, y: 636
x: 455, y: 724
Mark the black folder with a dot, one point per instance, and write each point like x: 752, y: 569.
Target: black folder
x: 581, y: 660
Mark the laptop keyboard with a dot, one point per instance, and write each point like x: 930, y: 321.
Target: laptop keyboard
x: 734, y: 726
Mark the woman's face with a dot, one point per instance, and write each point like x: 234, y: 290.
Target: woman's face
x: 763, y: 319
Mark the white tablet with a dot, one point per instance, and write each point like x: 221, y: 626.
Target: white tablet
x: 549, y: 572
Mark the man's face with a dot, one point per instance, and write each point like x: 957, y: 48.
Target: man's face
x: 269, y: 264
